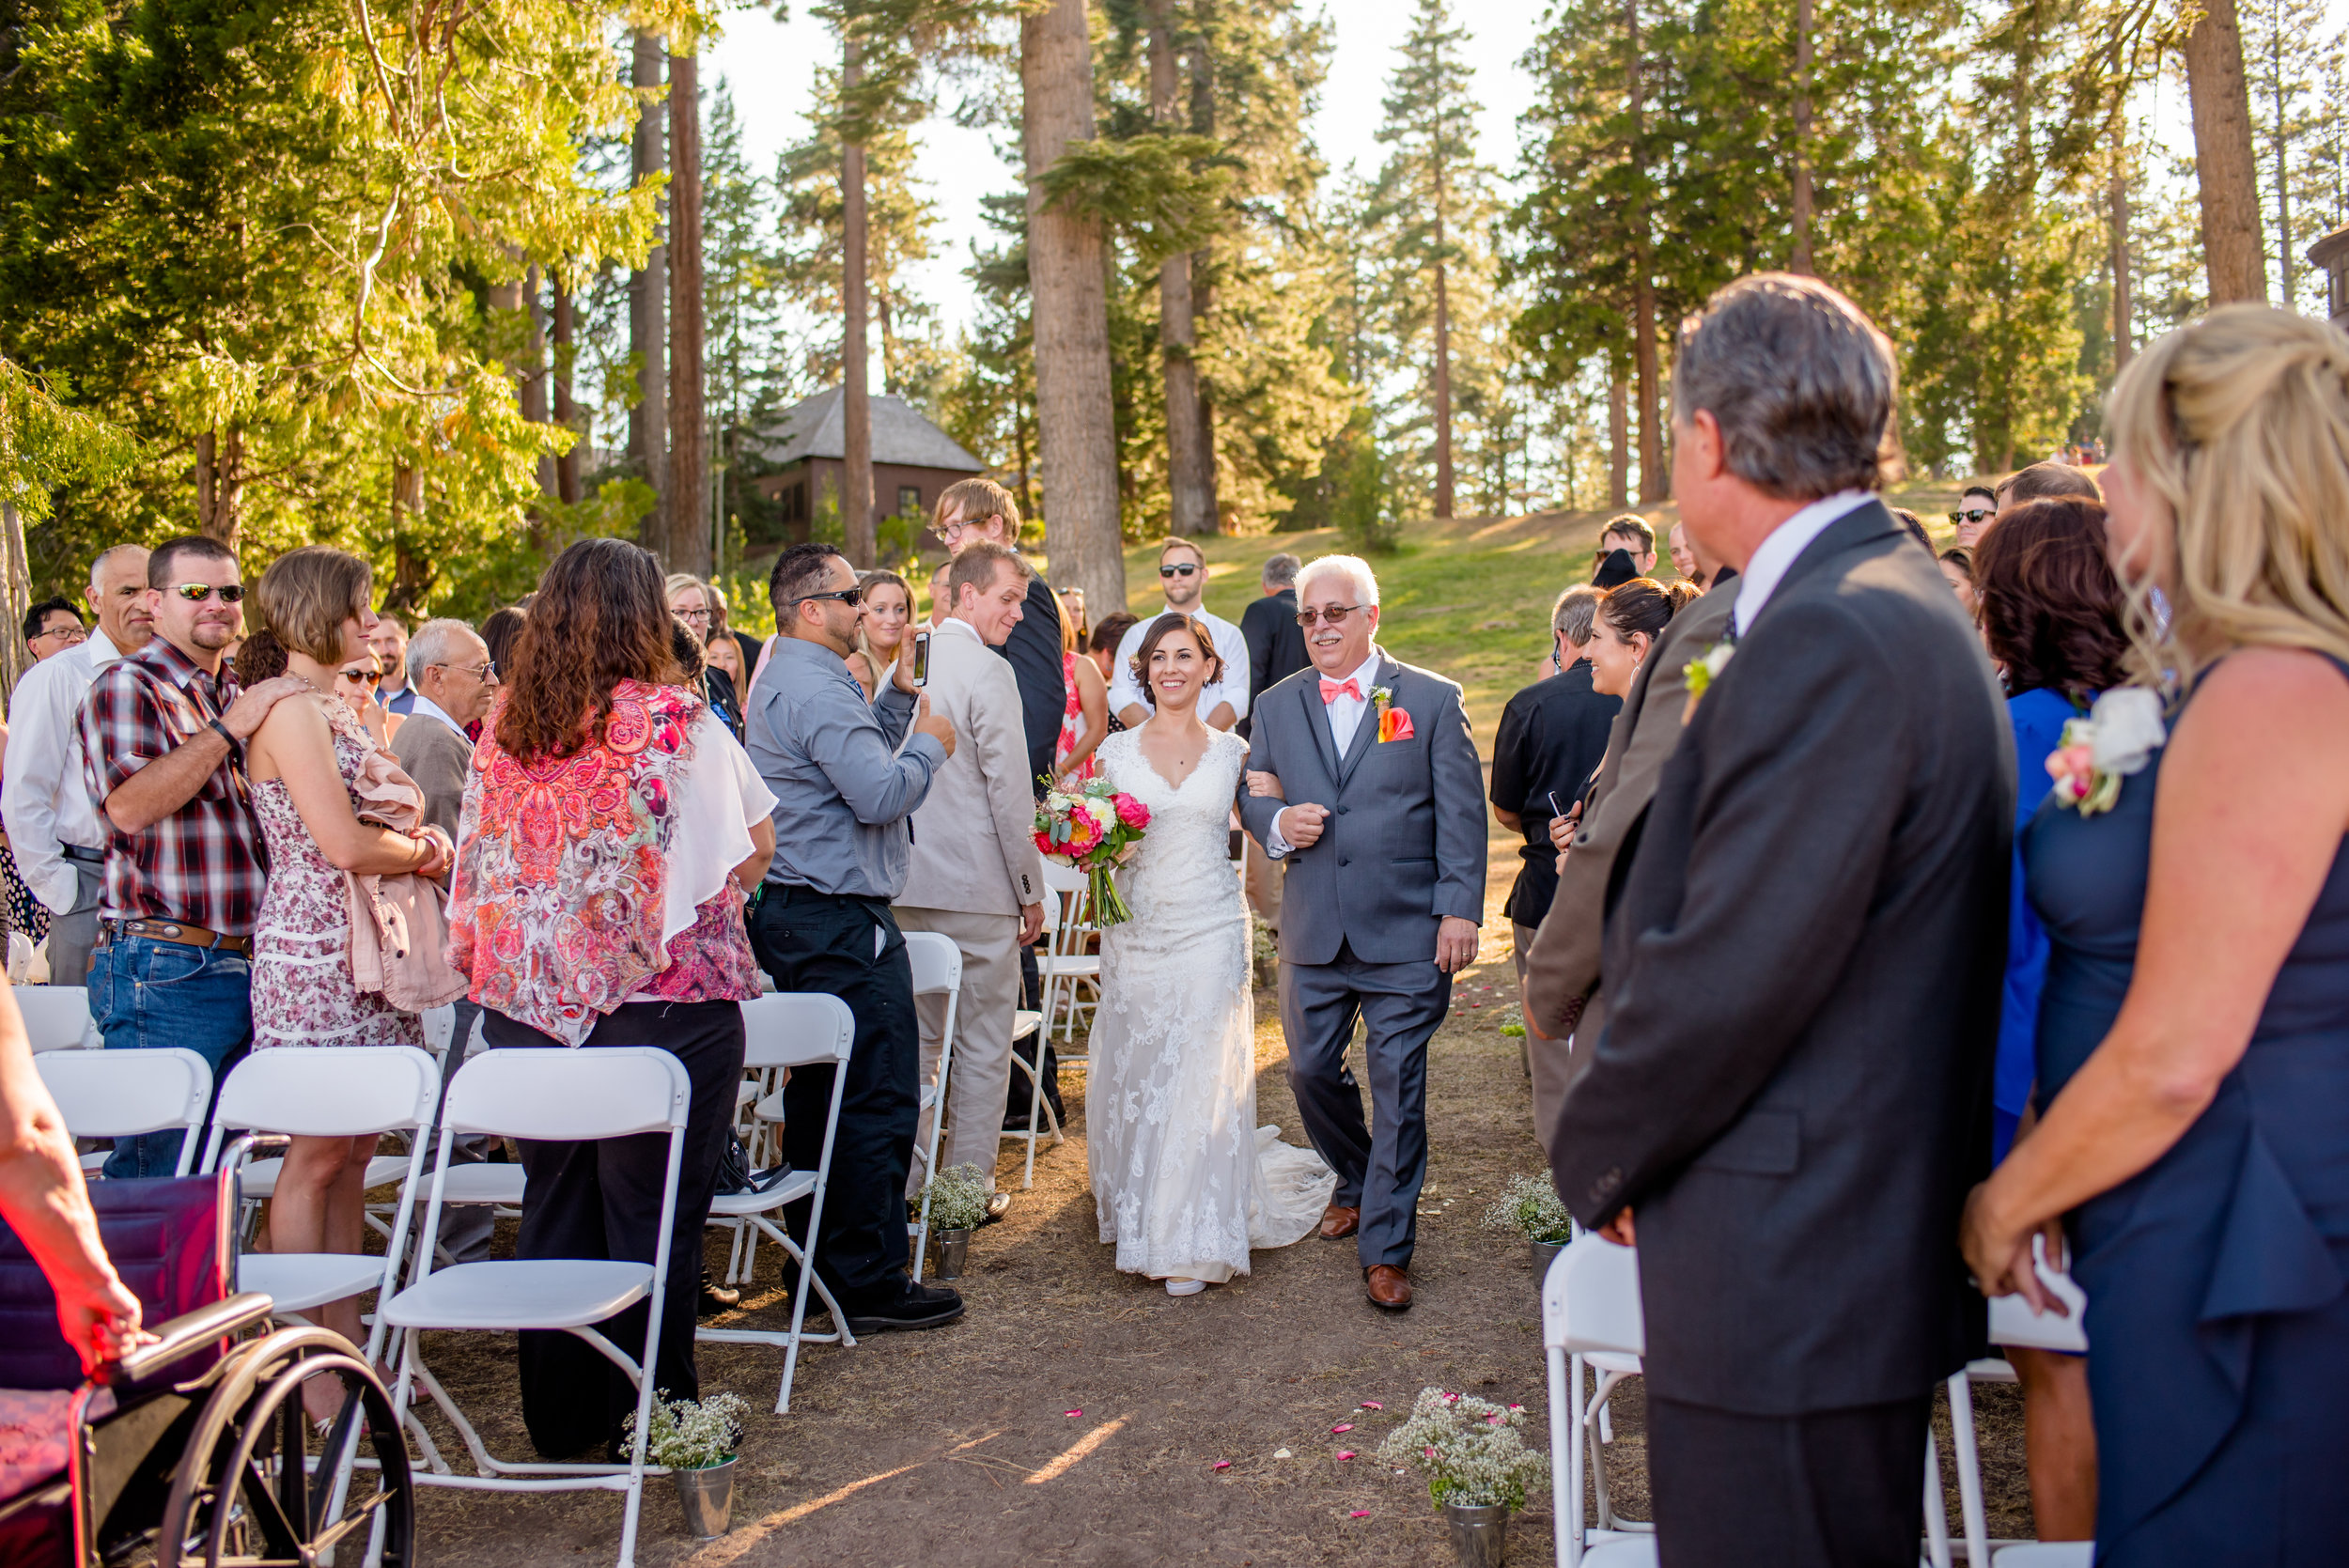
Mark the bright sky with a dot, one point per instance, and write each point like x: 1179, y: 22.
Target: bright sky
x: 771, y: 67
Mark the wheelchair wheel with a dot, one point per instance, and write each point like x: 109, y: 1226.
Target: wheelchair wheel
x: 260, y: 1487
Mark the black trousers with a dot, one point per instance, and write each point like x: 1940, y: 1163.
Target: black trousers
x: 1826, y: 1489
x: 602, y: 1198
x: 850, y: 948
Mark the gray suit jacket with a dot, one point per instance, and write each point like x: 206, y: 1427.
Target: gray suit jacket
x: 1405, y: 843
x: 437, y: 759
x: 973, y: 834
x: 1803, y: 964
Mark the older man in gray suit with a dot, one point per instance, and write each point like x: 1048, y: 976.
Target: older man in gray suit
x: 1382, y: 836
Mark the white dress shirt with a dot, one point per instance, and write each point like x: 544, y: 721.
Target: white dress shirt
x: 1775, y: 554
x: 1231, y: 645
x: 43, y: 798
x: 427, y: 708
x: 1346, y: 718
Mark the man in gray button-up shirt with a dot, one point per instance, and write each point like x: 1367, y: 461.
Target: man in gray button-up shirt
x: 842, y: 794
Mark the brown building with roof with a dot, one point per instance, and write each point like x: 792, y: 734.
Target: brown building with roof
x: 912, y: 460
x: 2332, y: 254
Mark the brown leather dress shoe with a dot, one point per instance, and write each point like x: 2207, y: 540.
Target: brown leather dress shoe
x: 1388, y: 1287
x: 1337, y: 1220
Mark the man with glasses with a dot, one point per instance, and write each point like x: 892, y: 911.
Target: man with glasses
x: 1183, y: 578
x: 52, y: 627
x: 842, y: 792
x: 164, y: 732
x: 1977, y: 509
x: 52, y: 823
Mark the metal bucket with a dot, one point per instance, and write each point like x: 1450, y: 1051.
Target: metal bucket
x: 1480, y: 1535
x: 1544, y: 1253
x: 954, y: 1250
x: 707, y: 1495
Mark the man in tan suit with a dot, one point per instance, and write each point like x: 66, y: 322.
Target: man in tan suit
x: 975, y: 875
x: 1562, y: 1000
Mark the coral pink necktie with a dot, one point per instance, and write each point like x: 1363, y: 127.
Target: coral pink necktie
x: 1332, y: 689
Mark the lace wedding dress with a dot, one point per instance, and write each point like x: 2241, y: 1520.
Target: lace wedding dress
x: 1184, y: 1180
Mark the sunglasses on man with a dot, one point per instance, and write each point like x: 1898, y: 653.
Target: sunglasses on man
x: 846, y: 595
x: 1973, y: 514
x: 197, y: 593
x: 1186, y: 569
x: 1334, y: 615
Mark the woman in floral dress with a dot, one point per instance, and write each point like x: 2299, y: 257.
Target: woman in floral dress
x: 305, y: 758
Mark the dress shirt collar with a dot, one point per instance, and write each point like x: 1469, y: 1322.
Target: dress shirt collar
x: 1365, y: 678
x: 179, y: 669
x: 956, y: 624
x: 819, y: 659
x: 1787, y: 542
x: 97, y: 650
x: 427, y: 708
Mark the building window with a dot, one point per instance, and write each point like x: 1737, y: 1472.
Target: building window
x: 908, y: 500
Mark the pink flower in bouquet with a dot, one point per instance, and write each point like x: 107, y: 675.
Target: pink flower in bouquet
x: 1044, y: 842
x: 1084, y: 834
x: 1131, y: 811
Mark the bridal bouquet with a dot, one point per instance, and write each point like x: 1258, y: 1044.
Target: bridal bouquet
x: 1092, y: 828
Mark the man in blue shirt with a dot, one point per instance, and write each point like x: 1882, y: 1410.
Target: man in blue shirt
x: 843, y: 793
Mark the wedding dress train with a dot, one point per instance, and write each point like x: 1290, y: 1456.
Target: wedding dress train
x: 1184, y: 1180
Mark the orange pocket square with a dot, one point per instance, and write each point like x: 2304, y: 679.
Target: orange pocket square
x: 1395, y: 725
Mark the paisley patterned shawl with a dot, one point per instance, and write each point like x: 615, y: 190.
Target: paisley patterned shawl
x: 556, y: 909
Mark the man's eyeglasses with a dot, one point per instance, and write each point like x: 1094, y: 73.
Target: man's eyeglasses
x: 197, y: 593
x: 690, y: 615
x: 70, y: 633
x: 1334, y: 615
x: 364, y: 677
x: 1186, y: 569
x: 846, y: 595
x: 485, y: 671
x: 1973, y: 514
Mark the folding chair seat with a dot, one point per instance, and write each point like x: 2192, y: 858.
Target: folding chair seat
x: 1065, y: 964
x: 793, y: 1028
x: 56, y: 1017
x: 588, y: 1093
x: 1592, y: 1310
x: 122, y: 1093
x: 937, y: 971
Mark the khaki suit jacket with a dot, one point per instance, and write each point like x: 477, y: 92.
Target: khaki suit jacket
x: 438, y: 759
x: 1562, y: 966
x: 974, y: 836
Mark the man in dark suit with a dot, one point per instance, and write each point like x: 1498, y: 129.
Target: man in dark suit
x: 1276, y: 650
x: 1802, y: 963
x: 971, y: 511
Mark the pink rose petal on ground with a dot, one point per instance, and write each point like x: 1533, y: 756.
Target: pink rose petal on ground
x: 1359, y: 1513
x: 1072, y: 1412
x: 1222, y: 1464
x: 1342, y: 1426
x: 1372, y: 1405
x: 1345, y: 1453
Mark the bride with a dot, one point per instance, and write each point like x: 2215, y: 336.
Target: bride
x: 1184, y: 1180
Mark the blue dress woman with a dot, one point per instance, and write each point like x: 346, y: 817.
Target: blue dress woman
x: 2195, y: 1106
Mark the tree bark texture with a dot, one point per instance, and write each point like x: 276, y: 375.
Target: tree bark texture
x: 1444, y: 387
x: 566, y: 411
x: 2223, y: 163
x: 856, y: 404
x: 1619, y: 444
x: 1066, y: 255
x: 648, y: 305
x: 1652, y: 479
x: 1801, y: 262
x: 15, y: 658
x: 689, y: 531
x: 534, y: 387
x: 412, y: 572
x: 220, y: 485
x: 2123, y: 347
x: 1189, y: 464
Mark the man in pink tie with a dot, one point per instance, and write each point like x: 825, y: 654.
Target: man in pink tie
x: 1366, y: 788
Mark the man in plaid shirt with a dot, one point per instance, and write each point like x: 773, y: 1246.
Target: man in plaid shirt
x: 162, y: 737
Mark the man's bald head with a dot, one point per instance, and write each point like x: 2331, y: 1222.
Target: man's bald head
x: 118, y: 597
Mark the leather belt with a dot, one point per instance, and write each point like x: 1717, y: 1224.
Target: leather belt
x: 77, y: 852
x: 179, y: 931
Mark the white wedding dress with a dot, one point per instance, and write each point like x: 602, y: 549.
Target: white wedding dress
x: 1184, y: 1180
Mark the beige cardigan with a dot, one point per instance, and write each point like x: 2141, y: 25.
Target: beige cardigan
x: 398, y: 924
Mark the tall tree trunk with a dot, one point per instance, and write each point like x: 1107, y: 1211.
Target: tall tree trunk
x: 1203, y: 259
x: 412, y: 569
x: 648, y: 305
x: 882, y: 319
x: 1444, y: 387
x: 2223, y: 161
x: 220, y: 485
x: 1652, y: 485
x: 1801, y: 262
x: 689, y: 541
x: 2123, y: 347
x: 1065, y: 260
x: 15, y: 658
x: 566, y: 411
x: 1619, y: 444
x: 856, y: 404
x: 2283, y: 168
x: 534, y: 388
x: 1191, y: 506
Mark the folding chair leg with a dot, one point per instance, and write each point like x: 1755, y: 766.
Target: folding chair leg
x: 1936, y: 1514
x: 1969, y: 1457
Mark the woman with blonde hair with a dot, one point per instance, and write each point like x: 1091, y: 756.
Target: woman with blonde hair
x: 880, y: 636
x: 2193, y: 1040
x: 310, y: 761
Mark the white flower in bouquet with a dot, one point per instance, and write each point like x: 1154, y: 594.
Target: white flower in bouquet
x: 1530, y: 1206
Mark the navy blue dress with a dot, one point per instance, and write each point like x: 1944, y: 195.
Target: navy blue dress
x: 2217, y: 1313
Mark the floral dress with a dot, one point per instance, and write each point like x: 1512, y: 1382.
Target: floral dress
x: 302, y: 989
x: 1072, y: 722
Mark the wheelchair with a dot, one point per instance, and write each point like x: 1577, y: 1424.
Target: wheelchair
x: 194, y: 1450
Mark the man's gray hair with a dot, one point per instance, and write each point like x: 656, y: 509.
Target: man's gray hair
x: 1281, y: 571
x: 435, y: 643
x: 1576, y: 612
x: 98, y: 564
x: 1352, y: 568
x: 1800, y: 381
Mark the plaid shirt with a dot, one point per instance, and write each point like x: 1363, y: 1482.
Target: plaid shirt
x: 201, y: 865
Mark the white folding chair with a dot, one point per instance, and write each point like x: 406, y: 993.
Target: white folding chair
x: 793, y: 1028
x: 1591, y: 1312
x: 122, y: 1093
x: 56, y: 1017
x: 1065, y: 964
x: 440, y: 1029
x: 494, y: 1183
x: 1029, y: 1026
x: 20, y: 959
x: 937, y: 971
x: 2014, y: 1323
x: 590, y: 1093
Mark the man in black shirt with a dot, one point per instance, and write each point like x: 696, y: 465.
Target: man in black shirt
x: 1552, y: 736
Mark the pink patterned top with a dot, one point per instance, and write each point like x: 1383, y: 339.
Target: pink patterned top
x: 1072, y: 722
x: 561, y: 867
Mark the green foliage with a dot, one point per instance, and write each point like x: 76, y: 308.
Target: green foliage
x: 1529, y: 1206
x: 45, y: 445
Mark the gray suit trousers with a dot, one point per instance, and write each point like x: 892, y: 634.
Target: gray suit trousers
x: 1380, y: 1166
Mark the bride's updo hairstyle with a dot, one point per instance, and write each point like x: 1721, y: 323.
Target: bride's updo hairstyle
x: 1160, y: 629
x: 1638, y: 606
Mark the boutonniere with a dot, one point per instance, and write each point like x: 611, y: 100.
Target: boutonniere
x: 2117, y: 738
x: 1393, y: 724
x: 1701, y: 672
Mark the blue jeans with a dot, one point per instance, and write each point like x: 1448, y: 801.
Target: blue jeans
x: 147, y: 995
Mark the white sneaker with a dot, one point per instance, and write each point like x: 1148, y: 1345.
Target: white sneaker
x: 1185, y: 1287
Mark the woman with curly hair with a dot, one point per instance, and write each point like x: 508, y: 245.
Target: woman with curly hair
x: 612, y: 829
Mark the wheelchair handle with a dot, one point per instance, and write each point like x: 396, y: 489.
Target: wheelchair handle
x: 184, y: 1335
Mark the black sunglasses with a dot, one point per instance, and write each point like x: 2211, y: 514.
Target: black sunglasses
x: 846, y: 595
x: 1187, y: 570
x: 197, y: 593
x: 1973, y: 514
